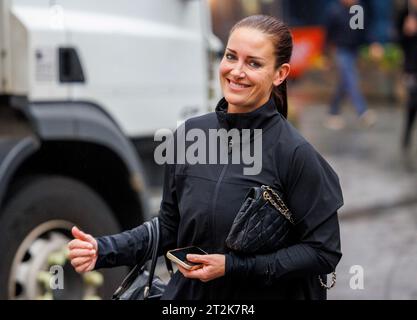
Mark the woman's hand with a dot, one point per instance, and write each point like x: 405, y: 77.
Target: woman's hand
x: 410, y: 26
x: 82, y: 251
x: 376, y: 51
x: 213, y: 267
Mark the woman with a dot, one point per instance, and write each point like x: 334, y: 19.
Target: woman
x: 200, y: 201
x: 345, y: 42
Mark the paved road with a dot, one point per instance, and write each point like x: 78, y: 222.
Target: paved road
x: 384, y: 244
x: 373, y: 171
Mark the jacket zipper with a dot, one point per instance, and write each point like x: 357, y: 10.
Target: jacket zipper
x: 213, y: 212
x: 216, y: 191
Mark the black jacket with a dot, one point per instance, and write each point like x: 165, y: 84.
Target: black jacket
x: 408, y: 44
x: 200, y: 202
x: 338, y: 30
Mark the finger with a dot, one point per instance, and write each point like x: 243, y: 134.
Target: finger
x: 205, y: 259
x: 77, y: 233
x: 184, y: 271
x: 192, y: 274
x: 75, y: 253
x: 181, y: 269
x: 76, y: 262
x: 83, y: 268
x: 79, y: 244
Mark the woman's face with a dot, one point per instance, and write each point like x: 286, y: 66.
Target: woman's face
x: 247, y: 70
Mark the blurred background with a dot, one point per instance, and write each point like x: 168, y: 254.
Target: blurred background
x: 85, y: 85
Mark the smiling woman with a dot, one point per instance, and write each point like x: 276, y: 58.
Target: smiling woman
x: 201, y: 201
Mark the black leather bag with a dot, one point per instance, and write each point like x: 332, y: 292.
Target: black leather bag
x: 262, y: 224
x: 141, y: 284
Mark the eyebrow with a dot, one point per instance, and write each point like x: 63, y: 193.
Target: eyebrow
x: 252, y: 57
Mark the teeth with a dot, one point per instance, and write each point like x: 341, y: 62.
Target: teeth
x: 237, y: 85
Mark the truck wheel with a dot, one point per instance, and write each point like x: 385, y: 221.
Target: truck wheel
x: 34, y: 232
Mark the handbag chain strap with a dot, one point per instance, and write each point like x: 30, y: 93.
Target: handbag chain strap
x: 332, y: 284
x: 271, y: 196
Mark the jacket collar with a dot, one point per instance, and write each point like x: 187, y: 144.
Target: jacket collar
x: 257, y: 119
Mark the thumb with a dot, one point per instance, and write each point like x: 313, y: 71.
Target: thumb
x: 197, y: 258
x: 78, y: 234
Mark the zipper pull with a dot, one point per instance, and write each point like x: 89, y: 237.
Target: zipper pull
x: 230, y: 145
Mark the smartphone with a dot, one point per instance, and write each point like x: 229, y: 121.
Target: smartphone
x: 179, y: 256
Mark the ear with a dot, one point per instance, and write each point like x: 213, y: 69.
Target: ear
x: 281, y: 74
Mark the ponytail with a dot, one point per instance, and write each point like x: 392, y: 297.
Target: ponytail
x: 279, y: 95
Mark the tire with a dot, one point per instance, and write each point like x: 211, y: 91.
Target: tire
x: 34, y: 231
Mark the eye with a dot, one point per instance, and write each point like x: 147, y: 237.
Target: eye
x: 229, y: 56
x: 255, y: 64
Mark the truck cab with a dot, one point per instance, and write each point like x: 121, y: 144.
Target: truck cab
x: 84, y: 86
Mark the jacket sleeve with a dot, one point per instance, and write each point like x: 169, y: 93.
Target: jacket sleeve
x: 399, y: 24
x: 129, y: 247
x: 123, y: 249
x: 310, y: 256
x: 313, y: 196
x: 169, y: 216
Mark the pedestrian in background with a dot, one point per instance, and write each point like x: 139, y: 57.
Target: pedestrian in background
x: 343, y: 42
x: 407, y: 32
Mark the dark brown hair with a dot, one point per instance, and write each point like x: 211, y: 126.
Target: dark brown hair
x: 281, y: 38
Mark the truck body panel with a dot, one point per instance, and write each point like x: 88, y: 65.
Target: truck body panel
x: 138, y: 57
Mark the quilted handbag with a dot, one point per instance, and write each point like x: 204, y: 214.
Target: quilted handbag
x: 262, y: 224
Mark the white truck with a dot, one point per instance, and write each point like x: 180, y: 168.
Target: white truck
x: 84, y: 85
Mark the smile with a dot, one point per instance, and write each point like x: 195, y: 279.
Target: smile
x: 237, y: 86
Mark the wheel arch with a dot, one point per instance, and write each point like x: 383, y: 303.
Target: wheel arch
x: 72, y: 138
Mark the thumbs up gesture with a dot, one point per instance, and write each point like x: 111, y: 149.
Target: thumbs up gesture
x: 82, y: 251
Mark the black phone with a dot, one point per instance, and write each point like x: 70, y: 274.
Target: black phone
x: 179, y: 256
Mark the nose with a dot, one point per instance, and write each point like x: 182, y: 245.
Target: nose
x: 238, y: 71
